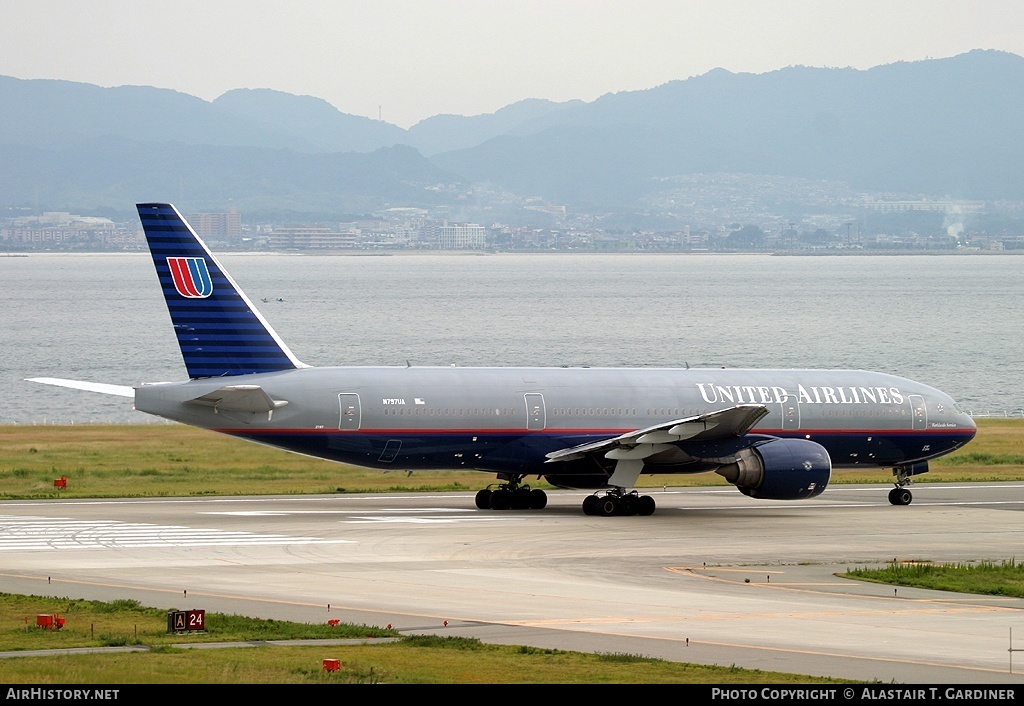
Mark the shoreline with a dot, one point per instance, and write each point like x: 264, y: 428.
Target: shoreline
x: 561, y: 253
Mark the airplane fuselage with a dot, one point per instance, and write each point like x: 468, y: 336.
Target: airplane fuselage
x: 507, y: 420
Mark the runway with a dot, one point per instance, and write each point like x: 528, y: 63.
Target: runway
x: 713, y: 577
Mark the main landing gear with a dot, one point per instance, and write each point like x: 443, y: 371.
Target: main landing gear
x: 511, y: 495
x: 618, y: 502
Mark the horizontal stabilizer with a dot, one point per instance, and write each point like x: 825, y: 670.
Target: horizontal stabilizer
x: 240, y: 398
x: 642, y: 443
x: 119, y: 390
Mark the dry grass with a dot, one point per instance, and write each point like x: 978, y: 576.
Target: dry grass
x: 412, y: 660
x: 159, y: 658
x: 391, y: 663
x: 164, y: 460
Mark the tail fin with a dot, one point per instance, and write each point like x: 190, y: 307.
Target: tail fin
x: 219, y: 330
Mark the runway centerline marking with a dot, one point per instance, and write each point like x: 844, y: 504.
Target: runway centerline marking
x: 426, y: 520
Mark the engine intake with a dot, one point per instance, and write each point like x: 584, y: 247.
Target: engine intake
x: 780, y: 469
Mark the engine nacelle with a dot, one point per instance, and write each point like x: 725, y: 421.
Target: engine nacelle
x: 780, y: 469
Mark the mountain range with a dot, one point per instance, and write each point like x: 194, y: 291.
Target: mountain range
x: 947, y: 128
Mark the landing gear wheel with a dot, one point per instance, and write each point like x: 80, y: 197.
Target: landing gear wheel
x: 900, y: 496
x: 645, y: 505
x: 521, y: 499
x: 511, y: 495
x: 619, y: 503
x: 501, y: 499
x: 607, y: 506
x: 538, y: 499
x: 483, y: 499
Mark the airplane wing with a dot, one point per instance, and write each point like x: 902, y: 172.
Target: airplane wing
x: 240, y: 398
x: 104, y: 388
x: 732, y: 422
x: 632, y: 449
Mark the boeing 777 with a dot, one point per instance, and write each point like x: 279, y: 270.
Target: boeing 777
x: 774, y: 434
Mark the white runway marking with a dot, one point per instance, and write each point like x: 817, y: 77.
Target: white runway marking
x: 395, y: 515
x: 404, y: 511
x: 47, y: 533
x: 412, y: 519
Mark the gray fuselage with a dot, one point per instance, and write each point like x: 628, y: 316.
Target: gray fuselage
x: 507, y: 419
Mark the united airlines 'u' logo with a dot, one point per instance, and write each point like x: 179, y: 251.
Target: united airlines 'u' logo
x: 191, y: 277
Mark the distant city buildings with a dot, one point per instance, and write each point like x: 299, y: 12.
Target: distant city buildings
x: 462, y: 236
x: 309, y: 238
x: 694, y: 213
x: 60, y: 230
x: 224, y: 228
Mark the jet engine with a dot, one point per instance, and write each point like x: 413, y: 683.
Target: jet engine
x: 780, y: 469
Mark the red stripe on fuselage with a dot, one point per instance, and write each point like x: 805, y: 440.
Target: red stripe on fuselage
x: 788, y: 433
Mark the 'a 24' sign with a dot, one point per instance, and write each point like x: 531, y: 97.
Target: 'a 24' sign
x: 186, y: 620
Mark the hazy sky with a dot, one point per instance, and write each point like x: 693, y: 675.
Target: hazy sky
x: 405, y: 60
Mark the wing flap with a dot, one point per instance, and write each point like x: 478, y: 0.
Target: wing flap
x: 643, y: 443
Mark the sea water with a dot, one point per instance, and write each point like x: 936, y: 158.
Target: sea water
x: 951, y: 321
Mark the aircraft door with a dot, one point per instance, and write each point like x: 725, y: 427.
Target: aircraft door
x: 351, y: 415
x: 919, y: 412
x: 536, y: 417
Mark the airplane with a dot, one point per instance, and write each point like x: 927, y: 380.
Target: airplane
x: 774, y: 434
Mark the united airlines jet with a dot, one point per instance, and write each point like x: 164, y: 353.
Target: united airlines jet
x: 774, y: 434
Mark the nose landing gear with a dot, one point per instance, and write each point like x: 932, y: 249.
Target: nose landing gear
x: 901, y: 495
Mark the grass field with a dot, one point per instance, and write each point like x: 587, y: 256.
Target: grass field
x: 409, y: 660
x: 171, y: 460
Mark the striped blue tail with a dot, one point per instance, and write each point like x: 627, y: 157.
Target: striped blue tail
x: 219, y: 331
